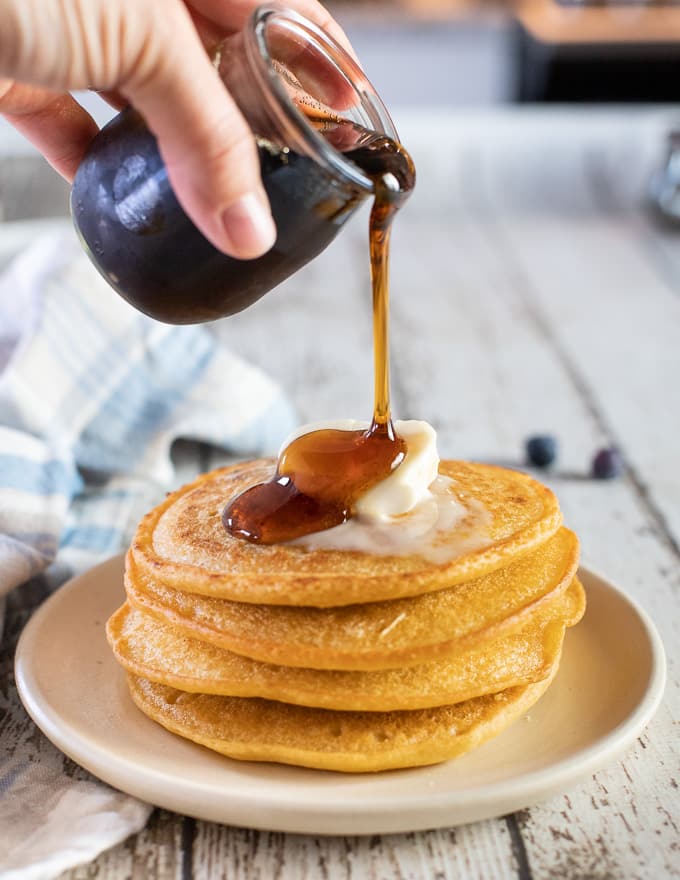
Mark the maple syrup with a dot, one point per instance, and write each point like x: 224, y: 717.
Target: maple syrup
x: 320, y: 475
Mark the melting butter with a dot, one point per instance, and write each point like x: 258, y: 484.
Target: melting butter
x: 407, y: 486
x: 438, y: 529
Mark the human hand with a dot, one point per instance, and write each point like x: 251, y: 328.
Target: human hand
x: 151, y: 53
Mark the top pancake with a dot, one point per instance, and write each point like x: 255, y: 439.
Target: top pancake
x: 183, y: 544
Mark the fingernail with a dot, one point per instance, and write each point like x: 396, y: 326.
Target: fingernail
x: 249, y: 227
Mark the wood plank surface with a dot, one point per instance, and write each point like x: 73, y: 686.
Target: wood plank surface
x: 531, y: 292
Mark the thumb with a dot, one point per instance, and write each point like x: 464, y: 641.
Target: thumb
x: 205, y: 142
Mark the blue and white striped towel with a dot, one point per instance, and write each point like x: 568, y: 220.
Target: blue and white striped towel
x: 92, y: 397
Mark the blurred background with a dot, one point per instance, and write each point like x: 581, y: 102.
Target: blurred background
x: 457, y: 54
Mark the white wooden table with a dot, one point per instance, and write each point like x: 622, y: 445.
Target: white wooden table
x: 531, y: 292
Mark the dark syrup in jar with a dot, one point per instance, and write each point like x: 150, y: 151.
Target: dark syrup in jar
x: 146, y: 247
x: 320, y: 475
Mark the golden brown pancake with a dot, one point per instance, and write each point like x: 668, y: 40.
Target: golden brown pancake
x: 159, y: 652
x: 354, y: 742
x: 340, y: 659
x: 182, y: 544
x: 379, y: 635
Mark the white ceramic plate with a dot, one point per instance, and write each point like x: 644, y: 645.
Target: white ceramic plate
x: 608, y: 687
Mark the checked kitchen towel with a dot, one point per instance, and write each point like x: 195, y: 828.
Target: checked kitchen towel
x: 92, y: 397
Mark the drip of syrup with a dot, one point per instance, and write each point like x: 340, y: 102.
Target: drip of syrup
x: 320, y: 475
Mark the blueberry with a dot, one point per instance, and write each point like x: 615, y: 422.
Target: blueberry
x: 607, y: 464
x: 541, y: 450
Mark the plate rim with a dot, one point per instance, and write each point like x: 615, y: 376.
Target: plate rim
x: 438, y: 808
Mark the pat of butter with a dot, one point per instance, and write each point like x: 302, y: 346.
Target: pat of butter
x: 408, y: 484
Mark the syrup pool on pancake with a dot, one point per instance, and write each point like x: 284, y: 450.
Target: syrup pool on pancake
x: 411, y: 509
x: 321, y: 472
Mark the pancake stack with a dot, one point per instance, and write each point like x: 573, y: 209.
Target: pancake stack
x: 345, y: 660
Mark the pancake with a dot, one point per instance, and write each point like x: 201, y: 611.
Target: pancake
x: 182, y: 544
x: 160, y: 653
x: 353, y: 742
x: 370, y: 636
